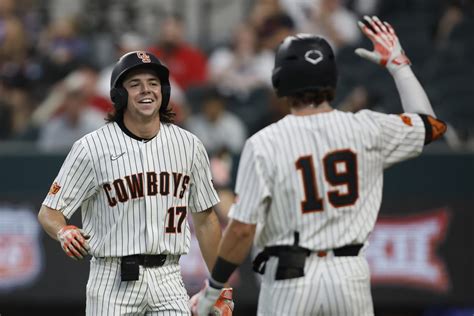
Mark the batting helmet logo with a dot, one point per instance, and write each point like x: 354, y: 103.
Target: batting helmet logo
x: 144, y: 56
x: 313, y: 56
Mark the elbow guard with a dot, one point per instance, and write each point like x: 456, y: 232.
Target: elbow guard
x: 434, y: 128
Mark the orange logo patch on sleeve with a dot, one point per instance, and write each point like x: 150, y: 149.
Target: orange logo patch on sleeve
x: 55, y: 187
x: 406, y: 120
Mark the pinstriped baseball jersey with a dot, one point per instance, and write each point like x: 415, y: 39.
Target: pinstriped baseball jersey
x: 322, y: 175
x: 135, y: 195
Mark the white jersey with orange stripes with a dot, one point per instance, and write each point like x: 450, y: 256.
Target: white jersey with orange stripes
x: 135, y: 195
x: 321, y: 175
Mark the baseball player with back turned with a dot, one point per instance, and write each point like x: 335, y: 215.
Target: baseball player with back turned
x: 136, y: 180
x: 309, y: 186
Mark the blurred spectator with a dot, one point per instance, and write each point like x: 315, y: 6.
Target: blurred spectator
x: 328, y: 18
x: 223, y: 135
x: 241, y: 68
x: 13, y: 50
x: 455, y: 12
x: 60, y: 8
x: 21, y: 108
x: 67, y: 114
x: 14, y: 106
x: 17, y: 67
x: 15, y: 103
x: 218, y: 129
x: 271, y: 22
x: 62, y: 49
x: 33, y: 17
x: 274, y: 29
x: 263, y: 10
x: 13, y: 45
x: 186, y: 63
x: 7, y: 8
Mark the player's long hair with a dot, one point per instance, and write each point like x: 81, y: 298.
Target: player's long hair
x: 166, y: 116
x: 315, y: 97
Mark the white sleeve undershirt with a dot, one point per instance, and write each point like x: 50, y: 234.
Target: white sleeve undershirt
x: 412, y: 94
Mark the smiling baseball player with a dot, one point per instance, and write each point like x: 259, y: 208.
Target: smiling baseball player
x: 136, y: 181
x: 311, y: 183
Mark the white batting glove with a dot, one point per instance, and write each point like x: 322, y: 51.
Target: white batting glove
x: 387, y: 49
x: 73, y: 241
x: 212, y: 301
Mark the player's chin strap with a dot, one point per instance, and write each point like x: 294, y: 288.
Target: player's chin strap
x: 291, y: 260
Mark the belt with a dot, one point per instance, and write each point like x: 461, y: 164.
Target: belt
x: 345, y: 251
x: 147, y: 260
x: 296, y: 255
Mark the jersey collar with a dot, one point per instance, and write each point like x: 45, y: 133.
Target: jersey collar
x: 130, y: 134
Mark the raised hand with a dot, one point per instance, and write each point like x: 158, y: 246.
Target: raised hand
x: 387, y: 49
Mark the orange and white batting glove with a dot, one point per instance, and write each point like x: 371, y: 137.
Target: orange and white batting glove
x: 73, y: 241
x: 387, y: 49
x: 212, y: 301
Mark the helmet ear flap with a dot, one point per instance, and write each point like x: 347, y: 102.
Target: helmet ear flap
x: 165, y: 96
x: 276, y: 79
x: 119, y: 97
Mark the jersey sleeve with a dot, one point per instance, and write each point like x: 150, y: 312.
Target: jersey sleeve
x: 202, y: 193
x: 74, y: 183
x: 252, y: 187
x: 402, y: 137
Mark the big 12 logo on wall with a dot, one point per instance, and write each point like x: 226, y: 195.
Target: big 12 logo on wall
x: 20, y: 252
x: 403, y: 250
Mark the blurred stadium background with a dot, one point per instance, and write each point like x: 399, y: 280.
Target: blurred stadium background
x: 55, y: 58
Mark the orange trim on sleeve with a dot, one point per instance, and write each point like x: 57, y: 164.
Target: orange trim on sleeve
x: 438, y: 127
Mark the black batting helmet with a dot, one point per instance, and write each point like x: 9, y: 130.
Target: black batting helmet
x: 133, y: 60
x: 303, y: 63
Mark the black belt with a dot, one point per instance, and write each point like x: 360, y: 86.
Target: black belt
x: 291, y: 259
x: 345, y: 251
x: 147, y: 260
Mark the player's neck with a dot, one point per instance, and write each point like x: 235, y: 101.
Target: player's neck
x: 311, y: 109
x: 142, y: 129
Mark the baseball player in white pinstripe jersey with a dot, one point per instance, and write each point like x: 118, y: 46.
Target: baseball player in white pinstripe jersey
x: 309, y: 186
x: 136, y: 180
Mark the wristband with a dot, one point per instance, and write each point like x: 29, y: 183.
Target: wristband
x: 223, y: 269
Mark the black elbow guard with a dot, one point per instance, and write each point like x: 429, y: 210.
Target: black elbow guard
x: 434, y: 128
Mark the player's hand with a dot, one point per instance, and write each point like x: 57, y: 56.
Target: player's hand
x: 211, y: 301
x: 73, y: 241
x: 387, y: 49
